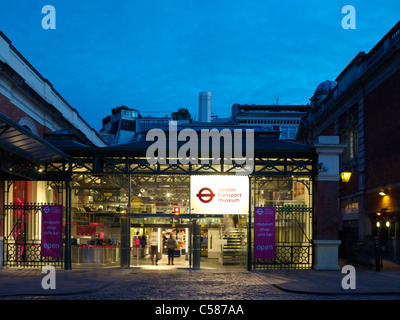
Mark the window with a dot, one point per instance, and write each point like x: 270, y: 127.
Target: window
x: 348, y: 123
x: 292, y: 132
x: 288, y: 133
x: 349, y: 138
x: 352, y: 144
x: 284, y: 133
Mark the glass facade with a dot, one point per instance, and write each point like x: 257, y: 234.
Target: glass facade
x: 116, y: 208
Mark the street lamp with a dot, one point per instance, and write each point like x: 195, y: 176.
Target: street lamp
x: 345, y: 175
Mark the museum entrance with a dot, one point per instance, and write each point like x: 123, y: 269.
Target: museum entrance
x: 216, y: 242
x: 207, y: 242
x: 112, y: 227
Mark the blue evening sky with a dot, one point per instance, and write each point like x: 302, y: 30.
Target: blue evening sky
x: 156, y: 56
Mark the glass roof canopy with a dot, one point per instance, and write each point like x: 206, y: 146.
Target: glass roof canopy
x: 22, y: 152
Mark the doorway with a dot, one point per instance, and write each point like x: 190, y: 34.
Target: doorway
x: 149, y: 245
x: 208, y: 242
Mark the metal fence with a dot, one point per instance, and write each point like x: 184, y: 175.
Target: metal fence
x: 293, y: 242
x: 22, y: 245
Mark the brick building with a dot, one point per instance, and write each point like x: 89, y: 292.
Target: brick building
x: 30, y: 110
x: 362, y: 108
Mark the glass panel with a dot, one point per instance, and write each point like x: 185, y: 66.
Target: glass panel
x: 291, y: 198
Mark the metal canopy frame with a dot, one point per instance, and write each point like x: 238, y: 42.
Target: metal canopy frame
x: 23, y: 153
x: 272, y: 156
x: 284, y: 164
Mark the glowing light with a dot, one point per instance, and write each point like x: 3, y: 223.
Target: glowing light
x: 345, y: 176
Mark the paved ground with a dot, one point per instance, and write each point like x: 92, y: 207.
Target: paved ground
x: 160, y: 291
x: 173, y: 283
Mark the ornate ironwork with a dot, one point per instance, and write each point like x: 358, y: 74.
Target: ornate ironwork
x: 293, y: 246
x: 101, y: 164
x: 22, y: 244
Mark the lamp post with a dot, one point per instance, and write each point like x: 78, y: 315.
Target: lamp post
x: 345, y: 175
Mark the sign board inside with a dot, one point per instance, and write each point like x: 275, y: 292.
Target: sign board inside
x: 219, y: 194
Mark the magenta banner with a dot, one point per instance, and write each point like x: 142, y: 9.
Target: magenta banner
x: 51, y: 231
x: 264, y: 232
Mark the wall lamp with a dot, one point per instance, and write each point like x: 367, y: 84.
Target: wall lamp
x: 345, y: 175
x: 382, y: 193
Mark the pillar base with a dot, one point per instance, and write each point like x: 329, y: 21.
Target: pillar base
x: 326, y: 254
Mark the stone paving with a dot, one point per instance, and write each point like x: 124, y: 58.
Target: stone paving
x: 188, y: 285
x: 183, y: 284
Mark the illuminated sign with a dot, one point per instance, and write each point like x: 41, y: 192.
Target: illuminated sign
x: 219, y: 194
x: 264, y: 232
x: 51, y: 242
x: 205, y: 195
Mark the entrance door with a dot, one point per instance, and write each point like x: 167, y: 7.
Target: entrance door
x: 149, y: 245
x: 213, y: 241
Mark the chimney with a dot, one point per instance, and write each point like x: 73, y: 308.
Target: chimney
x: 205, y: 106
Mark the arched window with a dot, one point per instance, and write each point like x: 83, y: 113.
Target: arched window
x: 28, y: 123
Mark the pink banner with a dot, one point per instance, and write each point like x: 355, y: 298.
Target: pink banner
x: 51, y: 231
x: 264, y: 232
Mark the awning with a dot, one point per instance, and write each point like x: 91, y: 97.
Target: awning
x: 23, y: 143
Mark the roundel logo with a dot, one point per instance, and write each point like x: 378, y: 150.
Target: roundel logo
x: 205, y: 195
x: 46, y: 209
x: 260, y: 211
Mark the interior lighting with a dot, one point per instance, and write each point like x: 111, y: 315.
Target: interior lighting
x: 382, y: 193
